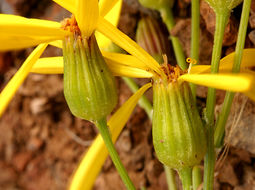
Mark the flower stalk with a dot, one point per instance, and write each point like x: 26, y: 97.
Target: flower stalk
x: 196, y: 177
x: 195, y: 31
x: 103, y: 129
x: 221, y: 22
x: 89, y: 87
x: 186, y: 178
x: 222, y: 10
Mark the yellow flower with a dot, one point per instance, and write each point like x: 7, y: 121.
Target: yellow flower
x: 18, y: 32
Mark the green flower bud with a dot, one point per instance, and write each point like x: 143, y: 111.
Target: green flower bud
x: 89, y: 87
x: 223, y: 5
x: 157, y: 4
x: 149, y: 36
x: 178, y: 133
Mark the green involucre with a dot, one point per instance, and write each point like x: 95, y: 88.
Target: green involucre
x: 178, y: 133
x: 89, y: 86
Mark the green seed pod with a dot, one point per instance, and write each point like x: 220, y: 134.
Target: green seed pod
x: 89, y: 87
x: 223, y: 5
x: 150, y: 36
x: 157, y: 4
x: 178, y: 133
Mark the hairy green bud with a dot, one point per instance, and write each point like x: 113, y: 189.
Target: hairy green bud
x: 178, y: 133
x: 150, y: 36
x: 89, y: 87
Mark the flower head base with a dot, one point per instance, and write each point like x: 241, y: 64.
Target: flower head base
x: 178, y: 133
x: 71, y: 25
x: 223, y: 5
x: 170, y: 73
x: 89, y: 86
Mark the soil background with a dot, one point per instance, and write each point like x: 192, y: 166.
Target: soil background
x: 41, y: 143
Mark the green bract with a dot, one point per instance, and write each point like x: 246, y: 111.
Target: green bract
x: 178, y: 133
x: 149, y: 36
x: 89, y: 86
x: 222, y: 5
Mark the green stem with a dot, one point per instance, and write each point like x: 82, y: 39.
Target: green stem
x: 167, y: 16
x: 223, y: 116
x: 143, y: 102
x: 221, y: 22
x: 196, y: 177
x: 195, y: 30
x: 103, y: 129
x: 186, y: 178
x: 170, y: 178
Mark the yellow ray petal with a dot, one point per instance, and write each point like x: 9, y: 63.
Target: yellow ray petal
x: 92, y: 162
x: 196, y: 69
x: 48, y: 65
x: 124, y: 59
x: 105, y: 6
x: 12, y: 25
x: 18, y: 42
x: 112, y: 16
x: 87, y: 13
x: 54, y: 65
x: 251, y: 92
x: 127, y: 71
x: 10, y: 89
x: 127, y: 44
x: 67, y: 4
x: 226, y: 63
x: 231, y: 82
x: 247, y: 59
